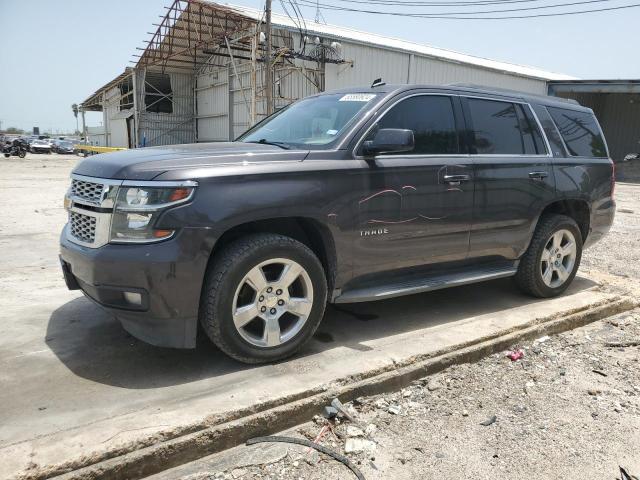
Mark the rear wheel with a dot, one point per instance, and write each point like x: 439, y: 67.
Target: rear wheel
x: 552, y: 259
x: 263, y: 299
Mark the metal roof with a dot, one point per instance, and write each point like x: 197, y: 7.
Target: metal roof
x: 594, y: 86
x: 368, y: 38
x: 94, y: 101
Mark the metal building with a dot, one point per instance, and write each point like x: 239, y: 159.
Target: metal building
x: 202, y: 75
x: 616, y: 103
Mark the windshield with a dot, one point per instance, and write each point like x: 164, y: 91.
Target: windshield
x: 66, y: 144
x: 309, y: 123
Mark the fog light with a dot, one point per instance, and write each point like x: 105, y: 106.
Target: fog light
x: 133, y: 298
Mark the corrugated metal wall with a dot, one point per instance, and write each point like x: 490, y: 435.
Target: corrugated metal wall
x: 224, y: 98
x: 370, y: 63
x: 619, y: 116
x: 167, y: 128
x: 115, y: 120
x: 212, y: 97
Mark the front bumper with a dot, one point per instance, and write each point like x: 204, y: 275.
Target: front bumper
x: 164, y: 280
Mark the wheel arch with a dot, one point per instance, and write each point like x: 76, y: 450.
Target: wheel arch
x: 308, y: 231
x: 575, y: 208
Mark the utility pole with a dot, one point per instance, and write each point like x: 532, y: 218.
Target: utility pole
x: 269, y: 74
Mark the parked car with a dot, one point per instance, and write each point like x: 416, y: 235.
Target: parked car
x: 40, y: 146
x: 64, y: 146
x: 348, y: 196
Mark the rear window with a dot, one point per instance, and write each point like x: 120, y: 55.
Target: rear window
x: 504, y: 128
x: 580, y: 132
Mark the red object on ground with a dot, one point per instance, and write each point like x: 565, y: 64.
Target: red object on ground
x: 515, y: 355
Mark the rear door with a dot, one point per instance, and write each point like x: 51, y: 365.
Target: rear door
x: 514, y: 177
x: 415, y: 208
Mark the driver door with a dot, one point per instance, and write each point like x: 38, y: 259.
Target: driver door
x: 415, y: 208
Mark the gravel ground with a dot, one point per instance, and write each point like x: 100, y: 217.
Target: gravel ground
x: 570, y: 408
x: 619, y: 252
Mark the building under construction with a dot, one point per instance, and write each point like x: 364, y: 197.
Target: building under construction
x: 204, y: 74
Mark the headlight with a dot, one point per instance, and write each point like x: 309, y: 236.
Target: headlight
x: 138, y: 207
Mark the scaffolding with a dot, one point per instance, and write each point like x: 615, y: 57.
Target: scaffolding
x: 157, y: 98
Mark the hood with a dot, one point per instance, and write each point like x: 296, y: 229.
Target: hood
x: 147, y: 163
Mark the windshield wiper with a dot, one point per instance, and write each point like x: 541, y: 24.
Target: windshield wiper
x: 264, y: 141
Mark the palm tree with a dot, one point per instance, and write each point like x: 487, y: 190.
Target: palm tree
x: 74, y: 107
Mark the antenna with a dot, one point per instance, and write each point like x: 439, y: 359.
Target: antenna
x: 378, y: 83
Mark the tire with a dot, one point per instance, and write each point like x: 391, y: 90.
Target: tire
x: 552, y: 239
x: 22, y: 154
x: 228, y: 291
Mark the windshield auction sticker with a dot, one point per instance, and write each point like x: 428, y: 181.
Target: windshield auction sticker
x: 357, y: 97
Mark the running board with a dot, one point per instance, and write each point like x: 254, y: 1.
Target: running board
x: 426, y: 284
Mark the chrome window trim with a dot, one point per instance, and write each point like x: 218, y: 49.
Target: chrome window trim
x: 548, y: 154
x: 547, y: 145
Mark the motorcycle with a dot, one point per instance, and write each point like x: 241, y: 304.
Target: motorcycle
x: 17, y: 149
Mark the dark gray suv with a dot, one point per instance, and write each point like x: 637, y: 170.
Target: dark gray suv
x: 347, y: 196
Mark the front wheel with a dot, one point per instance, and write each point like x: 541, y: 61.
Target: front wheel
x: 264, y: 298
x: 22, y: 154
x: 553, y: 257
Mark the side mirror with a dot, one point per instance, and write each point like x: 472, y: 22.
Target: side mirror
x: 389, y: 140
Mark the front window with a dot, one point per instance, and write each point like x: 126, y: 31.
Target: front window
x: 310, y: 123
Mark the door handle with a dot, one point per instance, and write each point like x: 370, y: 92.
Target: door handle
x: 456, y: 179
x: 538, y: 175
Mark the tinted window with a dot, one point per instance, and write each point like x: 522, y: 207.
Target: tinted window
x: 496, y: 127
x: 431, y: 119
x: 580, y: 132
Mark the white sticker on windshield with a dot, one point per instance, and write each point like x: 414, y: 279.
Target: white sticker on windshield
x: 332, y: 132
x: 357, y: 97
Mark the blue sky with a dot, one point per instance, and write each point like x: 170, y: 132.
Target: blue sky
x: 55, y: 53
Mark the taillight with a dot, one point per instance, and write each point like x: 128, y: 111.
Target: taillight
x: 613, y: 178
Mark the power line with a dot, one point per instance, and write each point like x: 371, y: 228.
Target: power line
x: 453, y: 16
x: 540, y: 7
x: 412, y: 3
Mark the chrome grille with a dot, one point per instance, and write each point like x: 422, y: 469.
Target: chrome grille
x: 89, y: 191
x: 83, y: 227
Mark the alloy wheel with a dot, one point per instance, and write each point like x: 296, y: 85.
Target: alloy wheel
x: 558, y: 258
x: 272, y: 302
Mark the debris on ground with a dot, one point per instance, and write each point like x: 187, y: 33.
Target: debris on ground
x: 570, y: 410
x: 489, y: 421
x: 515, y: 354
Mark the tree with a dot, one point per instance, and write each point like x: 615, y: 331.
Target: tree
x: 74, y: 108
x: 14, y: 130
